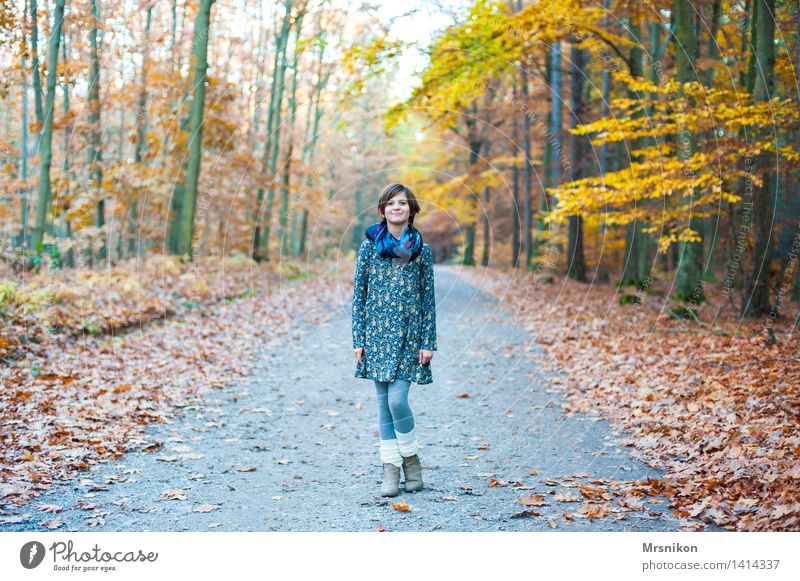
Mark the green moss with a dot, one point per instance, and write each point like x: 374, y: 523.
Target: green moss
x: 630, y: 300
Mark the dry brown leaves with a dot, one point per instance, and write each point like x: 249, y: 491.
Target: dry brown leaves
x: 72, y: 402
x: 715, y: 406
x: 44, y: 307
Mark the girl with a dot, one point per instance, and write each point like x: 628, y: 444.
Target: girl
x: 394, y: 328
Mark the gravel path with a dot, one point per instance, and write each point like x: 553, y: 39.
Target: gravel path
x: 295, y: 449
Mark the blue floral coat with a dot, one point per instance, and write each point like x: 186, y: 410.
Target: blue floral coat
x: 394, y: 315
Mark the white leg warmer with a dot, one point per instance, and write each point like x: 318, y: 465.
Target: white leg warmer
x: 390, y: 453
x: 407, y: 442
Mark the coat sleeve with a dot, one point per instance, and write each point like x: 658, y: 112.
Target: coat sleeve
x: 428, y: 302
x: 360, y: 296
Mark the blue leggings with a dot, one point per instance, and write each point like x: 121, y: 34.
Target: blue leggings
x: 393, y: 409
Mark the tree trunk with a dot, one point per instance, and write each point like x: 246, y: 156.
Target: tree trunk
x: 634, y: 269
x: 758, y: 301
x: 750, y: 80
x: 23, y: 160
x: 547, y: 159
x: 309, y: 149
x: 515, y: 222
x: 794, y: 209
x: 271, y: 146
x: 37, y: 82
x: 46, y: 140
x: 141, y: 116
x: 94, y: 153
x: 287, y: 165
x: 475, y: 145
x: 487, y: 242
x: 141, y: 131
x: 200, y: 56
x: 65, y: 230
x: 604, y: 157
x: 712, y: 224
x: 260, y: 59
x: 556, y: 114
x: 275, y: 141
x: 555, y: 155
x: 576, y: 263
x: 530, y: 250
x: 689, y: 284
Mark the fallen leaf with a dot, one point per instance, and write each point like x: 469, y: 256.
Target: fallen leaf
x: 192, y: 456
x: 174, y: 494
x: 783, y: 509
x: 14, y: 518
x: 525, y: 513
x: 49, y: 507
x: 206, y: 508
x: 535, y: 500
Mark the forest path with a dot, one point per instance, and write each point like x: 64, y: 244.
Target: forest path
x: 295, y: 449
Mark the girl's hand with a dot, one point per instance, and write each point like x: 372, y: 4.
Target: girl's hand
x: 359, y: 352
x: 425, y: 356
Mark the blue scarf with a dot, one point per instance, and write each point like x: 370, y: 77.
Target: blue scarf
x: 404, y: 250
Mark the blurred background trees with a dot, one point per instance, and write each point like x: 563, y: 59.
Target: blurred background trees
x: 606, y: 140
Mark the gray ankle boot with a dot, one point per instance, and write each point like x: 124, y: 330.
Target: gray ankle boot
x: 391, y: 480
x: 413, y: 472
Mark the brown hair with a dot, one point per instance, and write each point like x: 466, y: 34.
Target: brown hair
x: 390, y: 192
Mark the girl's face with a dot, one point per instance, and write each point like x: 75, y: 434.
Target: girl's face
x: 397, y: 211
